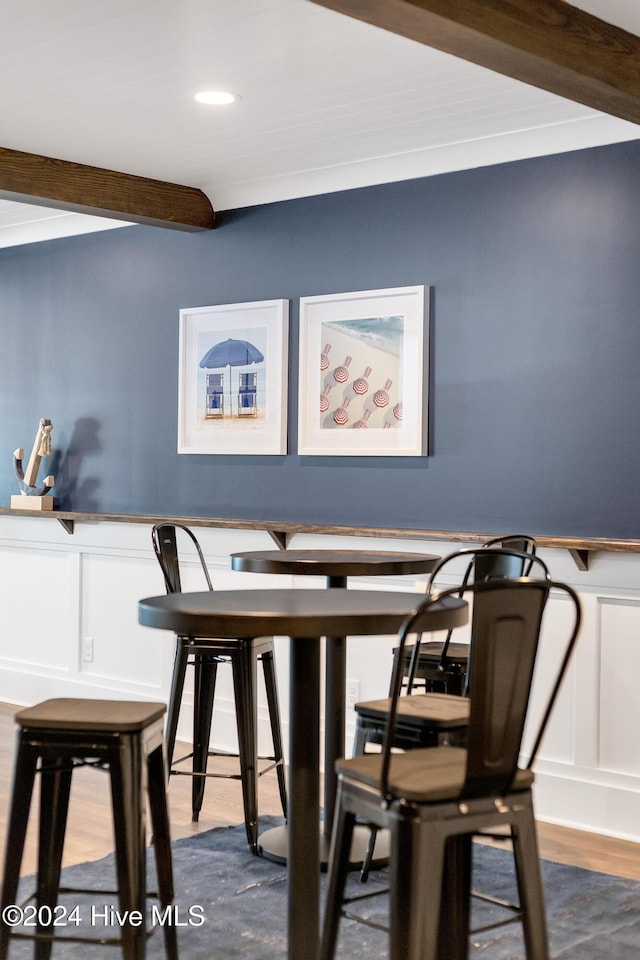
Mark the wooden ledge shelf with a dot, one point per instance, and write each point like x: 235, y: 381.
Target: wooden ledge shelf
x: 280, y: 532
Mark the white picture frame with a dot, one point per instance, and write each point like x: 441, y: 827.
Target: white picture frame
x: 224, y: 408
x: 367, y: 394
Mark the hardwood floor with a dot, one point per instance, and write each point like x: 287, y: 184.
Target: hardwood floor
x: 90, y: 835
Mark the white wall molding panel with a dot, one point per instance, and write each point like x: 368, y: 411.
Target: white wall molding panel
x: 68, y: 627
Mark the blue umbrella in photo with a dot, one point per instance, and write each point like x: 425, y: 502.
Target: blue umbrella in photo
x: 231, y: 353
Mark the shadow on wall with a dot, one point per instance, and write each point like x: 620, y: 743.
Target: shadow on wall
x: 67, y: 466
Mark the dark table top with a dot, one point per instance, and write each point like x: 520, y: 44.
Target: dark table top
x: 293, y: 613
x: 337, y: 563
x: 298, y: 614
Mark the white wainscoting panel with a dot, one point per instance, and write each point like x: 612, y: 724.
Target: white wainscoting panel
x: 126, y: 656
x: 618, y: 664
x: 559, y: 740
x: 39, y: 606
x: 60, y: 588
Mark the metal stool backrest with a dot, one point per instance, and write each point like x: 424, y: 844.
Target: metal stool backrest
x: 165, y: 545
x: 497, y: 559
x: 494, y: 564
x: 493, y: 560
x: 507, y: 621
x: 507, y: 567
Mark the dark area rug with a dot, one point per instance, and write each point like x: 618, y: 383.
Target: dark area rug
x: 233, y: 905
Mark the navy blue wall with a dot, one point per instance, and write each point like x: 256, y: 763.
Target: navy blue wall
x: 535, y: 365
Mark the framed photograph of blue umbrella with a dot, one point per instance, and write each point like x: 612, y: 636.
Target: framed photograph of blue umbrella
x: 232, y: 378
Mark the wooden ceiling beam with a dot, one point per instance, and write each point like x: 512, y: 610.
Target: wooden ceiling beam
x: 63, y: 185
x: 546, y: 43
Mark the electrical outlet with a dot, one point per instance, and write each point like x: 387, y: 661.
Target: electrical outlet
x: 353, y: 692
x: 87, y: 649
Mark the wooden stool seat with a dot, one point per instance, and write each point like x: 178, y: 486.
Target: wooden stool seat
x: 125, y: 738
x: 114, y: 716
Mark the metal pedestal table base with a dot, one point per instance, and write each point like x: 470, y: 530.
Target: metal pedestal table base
x: 272, y: 844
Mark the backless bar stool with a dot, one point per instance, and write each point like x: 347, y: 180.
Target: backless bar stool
x: 126, y: 738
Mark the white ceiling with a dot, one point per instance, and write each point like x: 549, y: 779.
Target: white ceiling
x: 327, y: 103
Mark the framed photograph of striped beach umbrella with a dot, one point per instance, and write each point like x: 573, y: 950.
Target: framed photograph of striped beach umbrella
x: 363, y: 381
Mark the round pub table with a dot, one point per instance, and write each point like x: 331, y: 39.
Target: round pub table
x: 304, y: 616
x: 336, y: 566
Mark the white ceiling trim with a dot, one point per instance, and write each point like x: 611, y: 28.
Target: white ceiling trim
x: 21, y: 223
x: 583, y: 132
x: 46, y: 224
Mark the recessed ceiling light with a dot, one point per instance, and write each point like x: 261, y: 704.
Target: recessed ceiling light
x: 218, y: 97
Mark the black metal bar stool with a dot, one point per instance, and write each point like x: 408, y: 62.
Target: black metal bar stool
x: 205, y: 654
x: 126, y: 738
